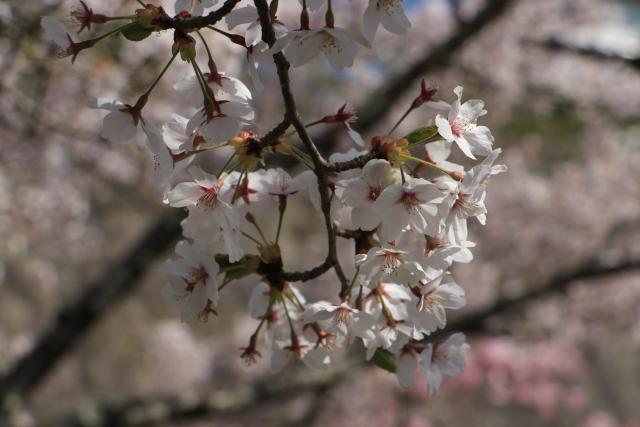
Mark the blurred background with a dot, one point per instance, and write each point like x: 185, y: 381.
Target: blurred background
x: 554, y: 290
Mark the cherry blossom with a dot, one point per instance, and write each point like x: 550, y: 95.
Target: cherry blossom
x: 338, y: 45
x: 361, y: 193
x: 432, y: 301
x: 193, y: 281
x: 413, y: 204
x: 223, y: 125
x: 461, y: 126
x: 444, y: 360
x: 468, y: 197
x: 193, y: 7
x: 395, y: 209
x: 389, y: 13
x: 343, y: 319
x: 207, y: 193
x: 122, y: 121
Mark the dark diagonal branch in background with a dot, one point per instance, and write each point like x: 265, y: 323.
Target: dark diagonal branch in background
x: 178, y: 408
x: 588, y: 52
x: 139, y: 412
x: 120, y: 279
x: 475, y: 321
x: 74, y: 319
x: 438, y: 57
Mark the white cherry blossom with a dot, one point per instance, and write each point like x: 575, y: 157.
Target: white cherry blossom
x: 222, y: 126
x: 468, y: 197
x: 121, y: 123
x: 338, y: 45
x: 461, y: 126
x: 361, y: 193
x: 193, y: 7
x: 207, y: 193
x: 444, y: 360
x: 193, y: 281
x: 428, y: 313
x: 413, y: 204
x: 223, y: 86
x: 389, y: 13
x: 343, y: 319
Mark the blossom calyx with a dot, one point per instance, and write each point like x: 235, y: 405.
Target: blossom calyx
x: 427, y: 93
x: 149, y: 15
x: 185, y: 45
x: 341, y: 116
x: 248, y: 148
x: 391, y: 149
x: 85, y: 17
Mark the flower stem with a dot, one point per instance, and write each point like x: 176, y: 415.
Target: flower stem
x: 433, y: 165
x: 250, y: 237
x: 282, y: 206
x: 164, y: 70
x: 404, y: 116
x: 225, y: 165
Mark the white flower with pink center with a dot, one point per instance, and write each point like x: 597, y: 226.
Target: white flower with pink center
x: 428, y: 309
x: 343, y: 320
x: 461, y: 126
x: 413, y: 204
x: 361, y: 193
x: 193, y: 281
x: 208, y: 193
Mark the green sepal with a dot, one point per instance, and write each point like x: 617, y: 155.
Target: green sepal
x: 232, y: 270
x: 422, y: 134
x: 384, y: 359
x: 136, y: 32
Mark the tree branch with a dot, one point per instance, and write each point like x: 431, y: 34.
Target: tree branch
x: 74, y: 319
x: 171, y: 409
x: 196, y: 22
x: 557, y: 45
x: 208, y: 406
x: 590, y: 270
x: 291, y: 115
x: 27, y: 373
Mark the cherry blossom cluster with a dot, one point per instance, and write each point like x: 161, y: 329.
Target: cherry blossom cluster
x: 400, y: 199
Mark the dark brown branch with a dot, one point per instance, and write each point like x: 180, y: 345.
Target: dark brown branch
x: 371, y: 111
x: 173, y: 409
x: 557, y: 45
x: 291, y: 115
x: 438, y: 57
x: 196, y: 22
x: 302, y: 276
x: 590, y: 270
x: 206, y: 406
x: 75, y: 318
x: 376, y: 106
x: 356, y: 163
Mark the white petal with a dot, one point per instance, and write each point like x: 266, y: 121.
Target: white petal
x: 56, y: 31
x: 118, y: 126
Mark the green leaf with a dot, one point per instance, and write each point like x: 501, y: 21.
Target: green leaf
x: 422, y: 134
x: 136, y: 32
x: 232, y: 270
x: 384, y: 359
